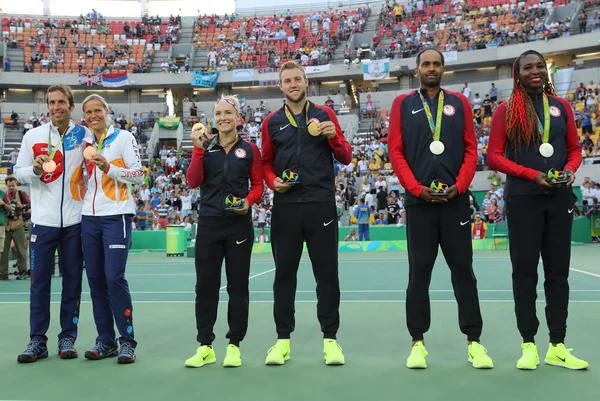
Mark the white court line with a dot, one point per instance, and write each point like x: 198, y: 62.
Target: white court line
x: 374, y: 301
x: 298, y: 291
x: 251, y: 277
x: 584, y: 272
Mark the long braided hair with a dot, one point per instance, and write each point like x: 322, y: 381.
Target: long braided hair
x: 521, y: 119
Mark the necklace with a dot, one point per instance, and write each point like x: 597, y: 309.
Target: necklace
x: 223, y: 145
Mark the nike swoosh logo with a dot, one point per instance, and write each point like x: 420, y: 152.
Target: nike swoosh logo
x: 205, y: 357
x: 416, y: 111
x: 562, y: 359
x: 284, y: 127
x: 213, y: 150
x: 241, y: 242
x: 326, y: 224
x: 462, y: 223
x: 571, y: 210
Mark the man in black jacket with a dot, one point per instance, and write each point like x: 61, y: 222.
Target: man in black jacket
x: 297, y: 145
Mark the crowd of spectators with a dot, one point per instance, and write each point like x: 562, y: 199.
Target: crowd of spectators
x: 270, y: 41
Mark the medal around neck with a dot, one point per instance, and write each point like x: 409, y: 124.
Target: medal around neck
x: 313, y: 127
x: 49, y: 166
x: 546, y: 150
x: 437, y: 147
x: 199, y: 127
x: 89, y: 152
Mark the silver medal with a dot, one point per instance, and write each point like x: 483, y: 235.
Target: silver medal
x: 546, y: 150
x: 436, y: 147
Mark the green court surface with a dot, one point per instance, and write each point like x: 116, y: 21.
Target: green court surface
x: 373, y: 334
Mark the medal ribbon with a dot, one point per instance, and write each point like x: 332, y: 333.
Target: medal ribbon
x: 101, y: 142
x: 545, y: 130
x: 436, y: 128
x: 51, y: 149
x: 291, y: 118
x: 215, y: 141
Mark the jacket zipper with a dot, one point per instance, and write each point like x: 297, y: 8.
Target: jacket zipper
x: 225, y: 175
x: 95, y: 191
x: 299, y: 153
x: 62, y: 195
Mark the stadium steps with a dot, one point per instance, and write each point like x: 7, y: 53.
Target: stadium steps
x: 17, y: 59
x: 159, y: 57
x: 372, y: 24
x: 186, y: 142
x: 12, y: 140
x: 187, y: 30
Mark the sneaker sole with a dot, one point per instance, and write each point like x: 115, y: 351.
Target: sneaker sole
x: 231, y: 365
x: 278, y: 362
x: 23, y: 360
x: 480, y: 366
x: 528, y: 367
x: 191, y: 365
x: 337, y: 362
x: 94, y: 357
x: 560, y: 365
x: 69, y: 355
x: 419, y: 366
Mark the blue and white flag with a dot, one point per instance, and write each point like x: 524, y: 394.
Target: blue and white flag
x: 376, y: 69
x: 244, y: 75
x: 205, y: 79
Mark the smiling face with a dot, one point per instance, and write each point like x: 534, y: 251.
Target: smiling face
x: 226, y: 117
x: 293, y: 84
x: 59, y: 108
x: 95, y: 115
x: 430, y: 69
x: 532, y: 72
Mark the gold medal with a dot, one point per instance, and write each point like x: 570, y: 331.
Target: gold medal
x: 313, y: 129
x: 49, y: 166
x: 199, y: 127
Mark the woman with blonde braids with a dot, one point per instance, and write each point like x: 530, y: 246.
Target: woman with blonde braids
x: 534, y: 141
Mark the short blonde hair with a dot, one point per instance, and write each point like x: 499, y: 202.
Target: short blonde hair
x: 232, y: 100
x: 94, y: 96
x: 290, y: 65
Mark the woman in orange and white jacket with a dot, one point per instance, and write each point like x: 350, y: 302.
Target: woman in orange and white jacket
x: 113, y: 161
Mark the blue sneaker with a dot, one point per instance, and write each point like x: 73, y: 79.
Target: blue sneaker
x: 35, y: 350
x: 66, y: 349
x: 127, y: 354
x: 101, y: 351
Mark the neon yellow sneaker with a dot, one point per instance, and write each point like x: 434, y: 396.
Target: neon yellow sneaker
x: 561, y: 356
x: 233, y: 357
x: 416, y: 359
x: 478, y: 356
x: 530, y: 358
x: 333, y: 352
x: 204, y: 356
x: 279, y: 353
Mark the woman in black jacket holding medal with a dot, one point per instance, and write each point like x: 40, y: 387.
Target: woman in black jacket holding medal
x: 534, y: 141
x: 222, y: 166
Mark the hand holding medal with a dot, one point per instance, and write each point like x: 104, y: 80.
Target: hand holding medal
x: 199, y: 135
x: 49, y: 165
x: 38, y: 164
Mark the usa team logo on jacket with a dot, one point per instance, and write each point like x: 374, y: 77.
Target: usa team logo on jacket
x: 449, y: 110
x: 240, y: 153
x: 554, y: 111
